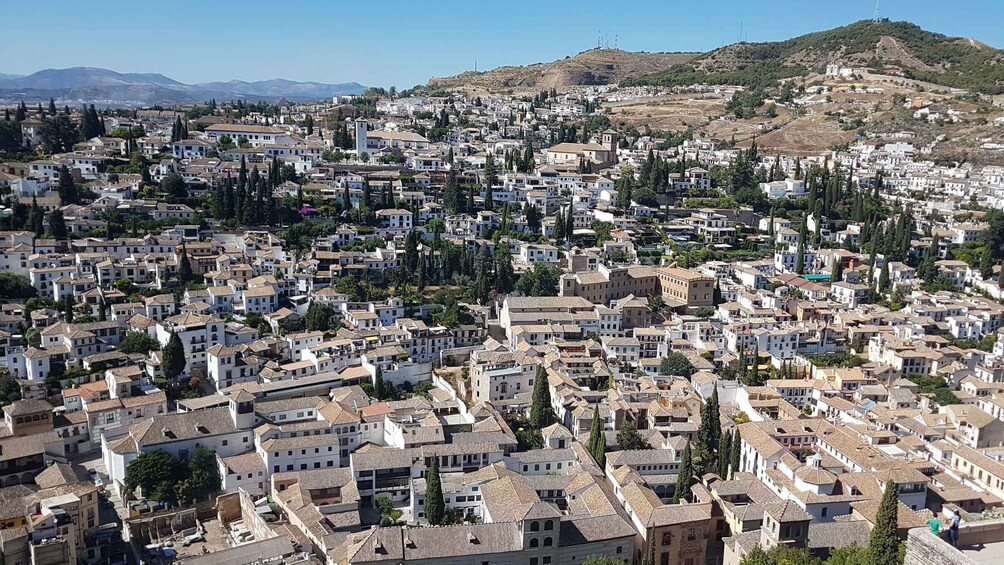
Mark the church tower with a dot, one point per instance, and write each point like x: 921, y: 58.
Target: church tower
x: 361, y: 128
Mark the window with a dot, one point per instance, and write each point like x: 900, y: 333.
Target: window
x: 549, y: 525
x: 666, y: 538
x: 534, y: 542
x: 548, y: 542
x: 534, y: 526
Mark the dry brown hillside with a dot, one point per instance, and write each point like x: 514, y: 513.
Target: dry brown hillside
x: 596, y: 66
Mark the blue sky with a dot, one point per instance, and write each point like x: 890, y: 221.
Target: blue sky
x: 403, y: 43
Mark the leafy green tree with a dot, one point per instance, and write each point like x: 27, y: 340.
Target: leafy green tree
x: 883, y: 545
x: 203, y: 476
x: 16, y: 287
x: 756, y: 556
x: 151, y: 470
x: 851, y: 555
x: 318, y: 317
x: 11, y: 138
x: 435, y: 508
x: 10, y: 391
x: 628, y: 438
x: 58, y: 134
x: 603, y: 560
x: 173, y: 361
x: 676, y: 364
x: 541, y: 280
x: 137, y: 341
x: 174, y: 185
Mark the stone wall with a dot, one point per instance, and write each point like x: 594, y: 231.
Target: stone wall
x: 924, y: 548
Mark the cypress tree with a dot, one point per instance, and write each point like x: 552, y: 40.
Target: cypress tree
x: 435, y: 508
x: 570, y: 223
x: 57, y: 224
x: 685, y: 477
x: 378, y: 384
x: 710, y: 433
x: 68, y: 310
x: 724, y: 453
x: 540, y: 408
x: 595, y: 431
x: 735, y: 455
x: 883, y: 545
x: 36, y: 217
x: 185, y: 274
x: 173, y: 360
x: 837, y: 274
x: 1000, y: 276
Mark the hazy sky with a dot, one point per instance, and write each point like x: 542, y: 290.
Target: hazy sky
x: 403, y: 43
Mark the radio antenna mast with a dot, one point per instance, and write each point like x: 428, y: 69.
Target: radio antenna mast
x: 877, y: 16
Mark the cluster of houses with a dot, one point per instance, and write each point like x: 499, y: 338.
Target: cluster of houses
x: 323, y: 430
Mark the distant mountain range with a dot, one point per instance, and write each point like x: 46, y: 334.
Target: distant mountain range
x: 90, y: 85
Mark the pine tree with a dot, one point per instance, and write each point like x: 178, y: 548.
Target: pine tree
x: 735, y: 455
x: 883, y: 545
x: 435, y: 508
x: 685, y: 477
x: 540, y: 407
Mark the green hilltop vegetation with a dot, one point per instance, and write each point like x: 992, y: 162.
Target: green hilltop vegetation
x: 949, y: 61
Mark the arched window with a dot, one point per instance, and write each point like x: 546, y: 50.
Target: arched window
x: 534, y: 542
x: 547, y: 542
x: 534, y: 526
x: 549, y: 525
